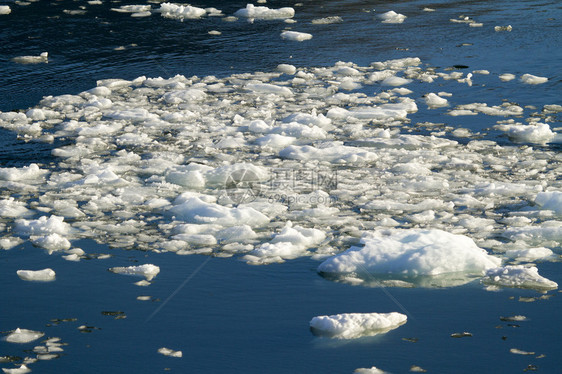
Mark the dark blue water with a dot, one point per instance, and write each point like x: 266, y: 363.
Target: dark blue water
x: 231, y: 317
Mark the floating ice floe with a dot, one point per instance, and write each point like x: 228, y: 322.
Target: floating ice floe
x: 169, y: 352
x: 45, y: 275
x: 408, y: 254
x: 22, y: 336
x: 149, y: 271
x: 13, y: 208
x: 371, y: 370
x: 42, y: 226
x: 356, y: 325
x: 533, y: 79
x: 551, y: 200
x: 529, y: 254
x: 23, y: 369
x: 5, y: 9
x: 392, y: 17
x: 296, y: 36
x: 327, y: 20
x: 539, y: 133
x: 32, y: 171
x: 42, y: 58
x: 290, y: 243
x: 503, y: 28
x: 264, y: 13
x: 506, y: 77
x: 181, y: 12
x: 434, y: 101
x: 519, y: 276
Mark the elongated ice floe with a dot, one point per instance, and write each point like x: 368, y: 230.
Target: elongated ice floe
x: 23, y: 369
x: 356, y: 325
x: 181, y: 12
x: 411, y: 253
x: 262, y: 12
x: 519, y: 276
x: 42, y: 226
x: 296, y: 36
x: 42, y: 58
x: 371, y: 370
x: 23, y: 336
x: 169, y: 352
x: 149, y: 271
x: 45, y: 275
x: 533, y: 79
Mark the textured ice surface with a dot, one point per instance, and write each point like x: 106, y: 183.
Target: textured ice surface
x: 518, y: 276
x: 392, y: 17
x: 220, y: 165
x: 296, y: 36
x: 262, y: 12
x: 371, y: 370
x: 148, y: 271
x: 45, y: 275
x: 533, y: 79
x: 411, y: 252
x: 169, y: 352
x: 181, y: 12
x: 23, y: 336
x: 551, y: 200
x: 23, y: 369
x: 356, y: 325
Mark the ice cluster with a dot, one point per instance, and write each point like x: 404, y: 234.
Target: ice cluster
x: 220, y: 166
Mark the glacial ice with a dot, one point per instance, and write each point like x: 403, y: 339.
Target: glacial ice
x: 22, y: 336
x: 149, y: 271
x: 45, y: 275
x: 356, y: 325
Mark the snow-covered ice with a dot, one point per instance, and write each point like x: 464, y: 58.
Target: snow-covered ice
x: 169, y: 352
x: 296, y: 36
x: 519, y: 276
x: 356, y: 325
x: 264, y: 13
x: 533, y: 79
x: 45, y: 275
x: 42, y: 58
x: 149, y: 271
x: 392, y: 17
x: 23, y: 336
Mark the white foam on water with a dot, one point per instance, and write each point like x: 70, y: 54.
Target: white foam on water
x: 356, y: 325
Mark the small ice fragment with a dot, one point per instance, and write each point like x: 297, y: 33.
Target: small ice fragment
x: 517, y: 318
x: 262, y: 12
x: 503, y: 28
x: 5, y: 9
x: 371, y: 370
x: 296, y: 36
x: 214, y: 32
x: 506, y: 77
x: 23, y: 369
x: 356, y: 325
x: 287, y: 69
x: 518, y: 276
x: 551, y: 200
x: 45, y: 275
x: 23, y: 336
x: 533, y: 79
x: 520, y: 352
x: 148, y: 271
x: 42, y: 58
x: 461, y: 335
x: 169, y: 352
x: 327, y: 20
x: 392, y: 17
x: 395, y: 81
x: 433, y: 101
x: 181, y: 12
x: 417, y: 369
x: 143, y: 298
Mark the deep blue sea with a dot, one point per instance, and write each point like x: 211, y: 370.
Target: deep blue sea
x: 230, y: 317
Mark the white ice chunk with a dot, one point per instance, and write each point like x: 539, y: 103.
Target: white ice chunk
x: 23, y: 336
x: 169, y: 352
x: 195, y: 210
x: 12, y: 208
x: 395, y: 81
x: 42, y: 58
x: 148, y: 271
x: 412, y: 252
x: 261, y: 12
x: 181, y: 12
x: 23, y: 369
x: 539, y: 133
x: 45, y: 275
x: 529, y: 254
x: 43, y: 226
x: 519, y: 276
x: 189, y: 95
x: 287, y: 69
x: 434, y: 101
x: 17, y: 174
x: 296, y: 36
x: 371, y: 370
x: 533, y: 79
x: 51, y: 242
x: 334, y: 153
x: 267, y: 88
x: 506, y: 77
x: 551, y: 200
x: 392, y: 17
x: 356, y: 325
x: 5, y: 9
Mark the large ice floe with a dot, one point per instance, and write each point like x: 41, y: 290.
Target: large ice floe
x: 356, y: 325
x: 295, y: 162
